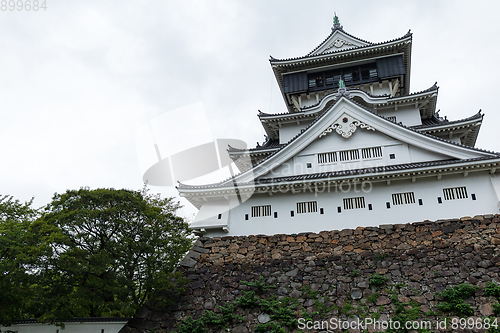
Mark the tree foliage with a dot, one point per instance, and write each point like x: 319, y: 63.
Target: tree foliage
x: 18, y: 255
x: 95, y: 253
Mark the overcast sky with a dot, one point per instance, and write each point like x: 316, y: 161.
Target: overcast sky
x: 79, y: 80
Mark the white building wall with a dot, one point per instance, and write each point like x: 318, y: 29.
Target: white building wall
x: 288, y: 131
x: 378, y: 194
x: 378, y: 89
x: 408, y: 115
x: 401, y: 153
x: 88, y: 327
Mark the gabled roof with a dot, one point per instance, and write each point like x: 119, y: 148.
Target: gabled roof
x: 340, y: 47
x: 246, y: 158
x: 366, y: 48
x: 337, y: 40
x: 457, y: 152
x: 429, y: 96
x: 435, y: 121
x: 467, y: 128
x: 268, y: 144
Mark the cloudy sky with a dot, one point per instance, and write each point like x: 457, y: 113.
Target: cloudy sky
x: 79, y: 80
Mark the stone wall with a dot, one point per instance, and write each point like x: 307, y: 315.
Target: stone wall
x: 419, y: 260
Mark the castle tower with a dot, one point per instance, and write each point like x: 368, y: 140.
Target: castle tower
x: 356, y: 148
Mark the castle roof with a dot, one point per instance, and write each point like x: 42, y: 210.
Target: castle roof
x: 341, y: 47
x: 458, y: 153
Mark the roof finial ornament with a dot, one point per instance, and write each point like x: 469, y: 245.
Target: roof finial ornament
x: 341, y: 83
x: 336, y: 22
x: 342, y: 89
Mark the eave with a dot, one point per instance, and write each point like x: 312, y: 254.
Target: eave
x: 424, y: 100
x: 296, y: 184
x: 403, y: 44
x: 467, y: 129
x: 456, y: 151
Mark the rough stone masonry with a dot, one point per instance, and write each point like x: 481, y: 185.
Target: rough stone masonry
x: 427, y: 257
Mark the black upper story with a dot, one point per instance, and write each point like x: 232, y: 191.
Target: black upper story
x: 321, y: 80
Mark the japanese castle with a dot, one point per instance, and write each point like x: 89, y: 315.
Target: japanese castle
x: 355, y: 148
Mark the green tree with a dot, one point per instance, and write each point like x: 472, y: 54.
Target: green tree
x: 88, y: 253
x: 19, y: 254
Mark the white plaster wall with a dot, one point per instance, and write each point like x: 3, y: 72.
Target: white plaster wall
x: 377, y: 90
x: 408, y: 115
x: 311, y: 101
x: 288, y: 131
x: 422, y: 155
x: 329, y: 199
x: 108, y: 327
x: 209, y: 214
x: 362, y: 138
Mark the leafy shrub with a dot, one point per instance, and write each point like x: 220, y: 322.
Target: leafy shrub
x: 372, y: 298
x: 492, y: 289
x: 496, y: 308
x: 378, y: 280
x: 454, y: 300
x: 259, y: 285
x: 248, y: 299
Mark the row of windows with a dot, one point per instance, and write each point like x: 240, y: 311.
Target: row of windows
x: 349, y: 155
x: 349, y: 75
x: 406, y: 198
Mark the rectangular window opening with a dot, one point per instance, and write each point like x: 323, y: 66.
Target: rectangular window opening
x: 325, y: 158
x: 388, y: 204
x: 369, y: 206
x: 275, y: 215
x: 455, y: 193
x: 420, y: 202
x: 259, y: 211
x: 473, y: 196
x: 349, y: 155
x: 309, y: 165
x: 403, y: 198
x: 292, y: 214
x: 392, y: 156
x: 307, y: 207
x: 339, y: 209
x: 440, y: 200
x: 354, y: 203
x: 246, y: 216
x: 374, y: 152
x: 321, y: 211
x: 219, y: 217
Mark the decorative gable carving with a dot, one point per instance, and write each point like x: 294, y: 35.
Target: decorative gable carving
x: 338, y: 43
x: 345, y: 126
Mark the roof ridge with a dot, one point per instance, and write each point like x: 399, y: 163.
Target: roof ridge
x: 335, y: 29
x: 272, y: 59
x: 432, y: 88
x: 448, y: 122
x: 365, y: 108
x: 429, y: 135
x: 359, y: 171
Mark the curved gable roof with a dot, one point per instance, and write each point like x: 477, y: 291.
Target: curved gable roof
x: 309, y: 134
